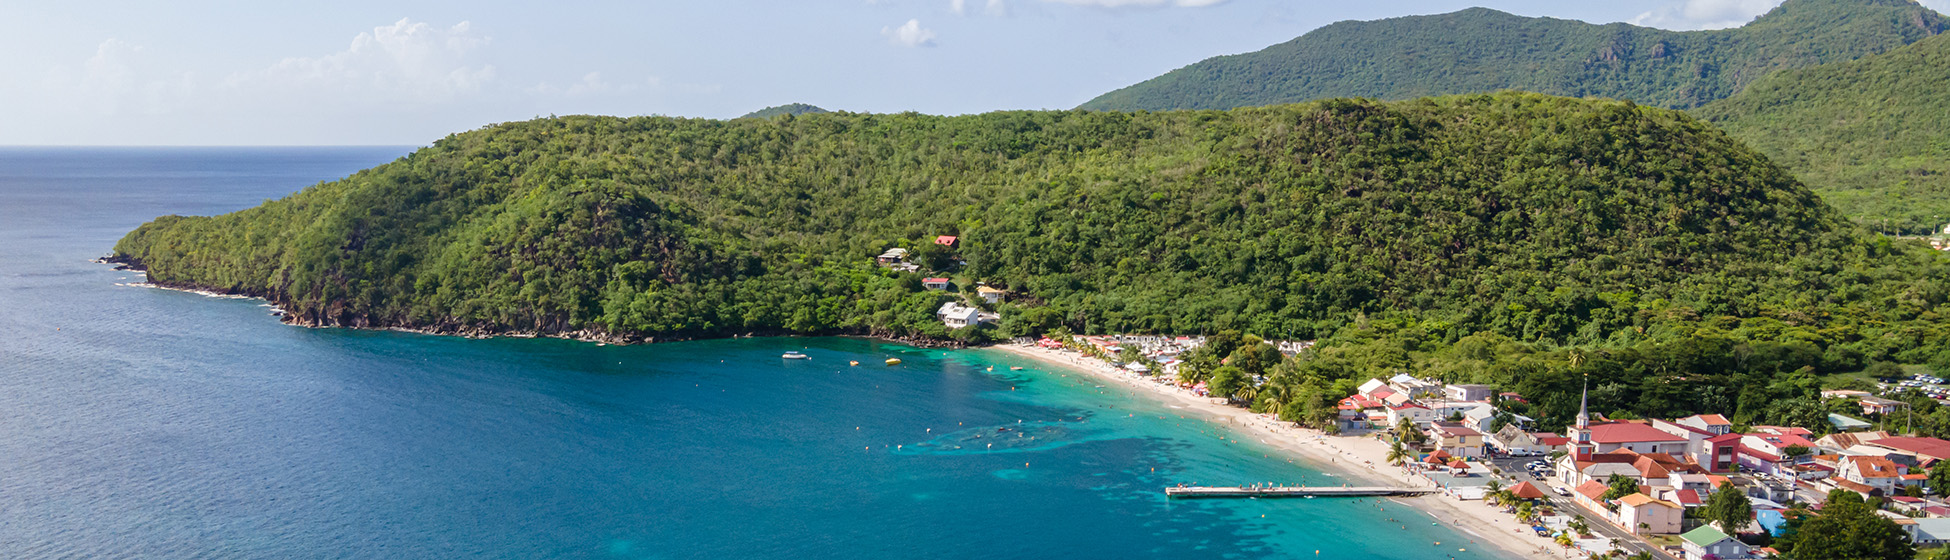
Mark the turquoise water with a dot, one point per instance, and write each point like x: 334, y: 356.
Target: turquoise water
x: 143, y: 423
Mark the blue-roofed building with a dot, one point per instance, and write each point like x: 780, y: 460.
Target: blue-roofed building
x: 1771, y: 520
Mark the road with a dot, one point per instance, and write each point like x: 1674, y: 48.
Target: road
x: 1513, y: 467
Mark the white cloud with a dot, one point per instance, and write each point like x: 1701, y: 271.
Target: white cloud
x: 405, y: 61
x: 1140, y: 3
x: 909, y: 34
x: 1705, y: 14
x: 991, y: 7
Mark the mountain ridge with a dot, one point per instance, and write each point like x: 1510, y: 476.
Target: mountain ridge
x: 1480, y: 50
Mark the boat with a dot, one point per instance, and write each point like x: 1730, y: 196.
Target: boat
x: 893, y: 361
x: 853, y: 363
x: 1015, y: 368
x: 795, y: 355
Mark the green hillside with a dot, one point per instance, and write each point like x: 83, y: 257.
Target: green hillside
x: 1481, y: 50
x: 1873, y: 136
x: 1473, y: 238
x: 786, y: 109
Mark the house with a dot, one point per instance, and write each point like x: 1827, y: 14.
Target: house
x: 934, y: 283
x: 1710, y: 423
x: 1513, y: 439
x: 1415, y: 388
x: 1646, y: 515
x: 956, y: 315
x: 946, y: 241
x: 1720, y: 453
x: 1420, y: 415
x: 1836, y: 443
x: 1591, y: 495
x: 892, y: 256
x: 1931, y: 532
x: 990, y: 295
x: 1843, y: 394
x: 1779, y: 451
x: 1707, y: 541
x: 1458, y: 440
x: 1882, y: 406
x: 1468, y: 392
x: 1872, y: 476
x: 1926, y: 450
x: 1634, y: 436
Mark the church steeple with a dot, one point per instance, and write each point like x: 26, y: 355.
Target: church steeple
x: 1581, y: 446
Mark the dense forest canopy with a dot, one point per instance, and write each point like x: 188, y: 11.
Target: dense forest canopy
x: 1872, y: 135
x: 1471, y: 237
x: 1482, y: 50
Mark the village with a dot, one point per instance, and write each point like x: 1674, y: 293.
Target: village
x: 1600, y: 487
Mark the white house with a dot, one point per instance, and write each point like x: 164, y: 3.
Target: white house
x: 956, y: 315
x: 1468, y: 392
x: 1420, y: 415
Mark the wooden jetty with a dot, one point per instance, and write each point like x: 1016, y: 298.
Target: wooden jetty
x: 1291, y: 491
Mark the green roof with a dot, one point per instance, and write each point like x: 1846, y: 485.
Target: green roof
x: 1705, y: 535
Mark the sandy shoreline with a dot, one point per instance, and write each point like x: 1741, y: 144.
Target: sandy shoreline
x: 1359, y: 458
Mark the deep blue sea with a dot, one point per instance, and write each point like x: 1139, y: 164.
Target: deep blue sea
x: 143, y: 423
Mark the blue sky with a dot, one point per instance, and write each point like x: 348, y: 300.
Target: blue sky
x: 202, y: 72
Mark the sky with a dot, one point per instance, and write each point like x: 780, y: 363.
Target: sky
x: 407, y: 72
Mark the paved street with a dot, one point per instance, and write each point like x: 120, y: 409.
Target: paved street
x: 1512, y: 468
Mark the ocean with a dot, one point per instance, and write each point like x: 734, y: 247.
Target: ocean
x: 146, y: 423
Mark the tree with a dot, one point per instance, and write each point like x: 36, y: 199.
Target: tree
x: 1226, y: 381
x: 1620, y: 486
x: 1851, y: 530
x: 1940, y: 477
x: 1397, y: 453
x: 1728, y: 508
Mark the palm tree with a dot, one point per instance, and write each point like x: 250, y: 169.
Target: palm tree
x: 1493, y: 487
x: 1246, y: 393
x: 1397, y: 453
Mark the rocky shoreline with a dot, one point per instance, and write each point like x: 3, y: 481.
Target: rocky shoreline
x: 123, y: 262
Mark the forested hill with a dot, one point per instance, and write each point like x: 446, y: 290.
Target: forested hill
x: 1482, y: 50
x: 1873, y: 135
x: 786, y: 109
x: 1539, y: 218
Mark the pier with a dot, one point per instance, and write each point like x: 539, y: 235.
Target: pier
x: 1291, y: 491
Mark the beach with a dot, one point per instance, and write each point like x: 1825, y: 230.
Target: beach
x: 1360, y: 459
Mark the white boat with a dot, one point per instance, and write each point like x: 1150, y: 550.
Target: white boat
x: 795, y: 355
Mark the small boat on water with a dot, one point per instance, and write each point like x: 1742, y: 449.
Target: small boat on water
x: 893, y: 361
x: 796, y: 355
x: 1015, y: 368
x: 853, y: 362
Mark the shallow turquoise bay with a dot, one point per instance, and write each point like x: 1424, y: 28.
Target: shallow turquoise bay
x: 156, y: 424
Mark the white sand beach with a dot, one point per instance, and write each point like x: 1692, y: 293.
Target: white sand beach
x: 1359, y: 457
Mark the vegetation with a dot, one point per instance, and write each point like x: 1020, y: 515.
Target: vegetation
x: 1728, y: 508
x: 1519, y: 240
x: 1869, y: 135
x: 786, y: 109
x: 1846, y: 529
x: 1482, y: 50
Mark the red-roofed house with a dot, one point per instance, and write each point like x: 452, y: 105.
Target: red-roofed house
x: 1591, y: 495
x: 1711, y: 423
x: 1643, y: 438
x: 1882, y: 476
x: 1719, y: 453
x: 1767, y: 451
x: 934, y: 283
x: 945, y: 240
x: 1927, y: 450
